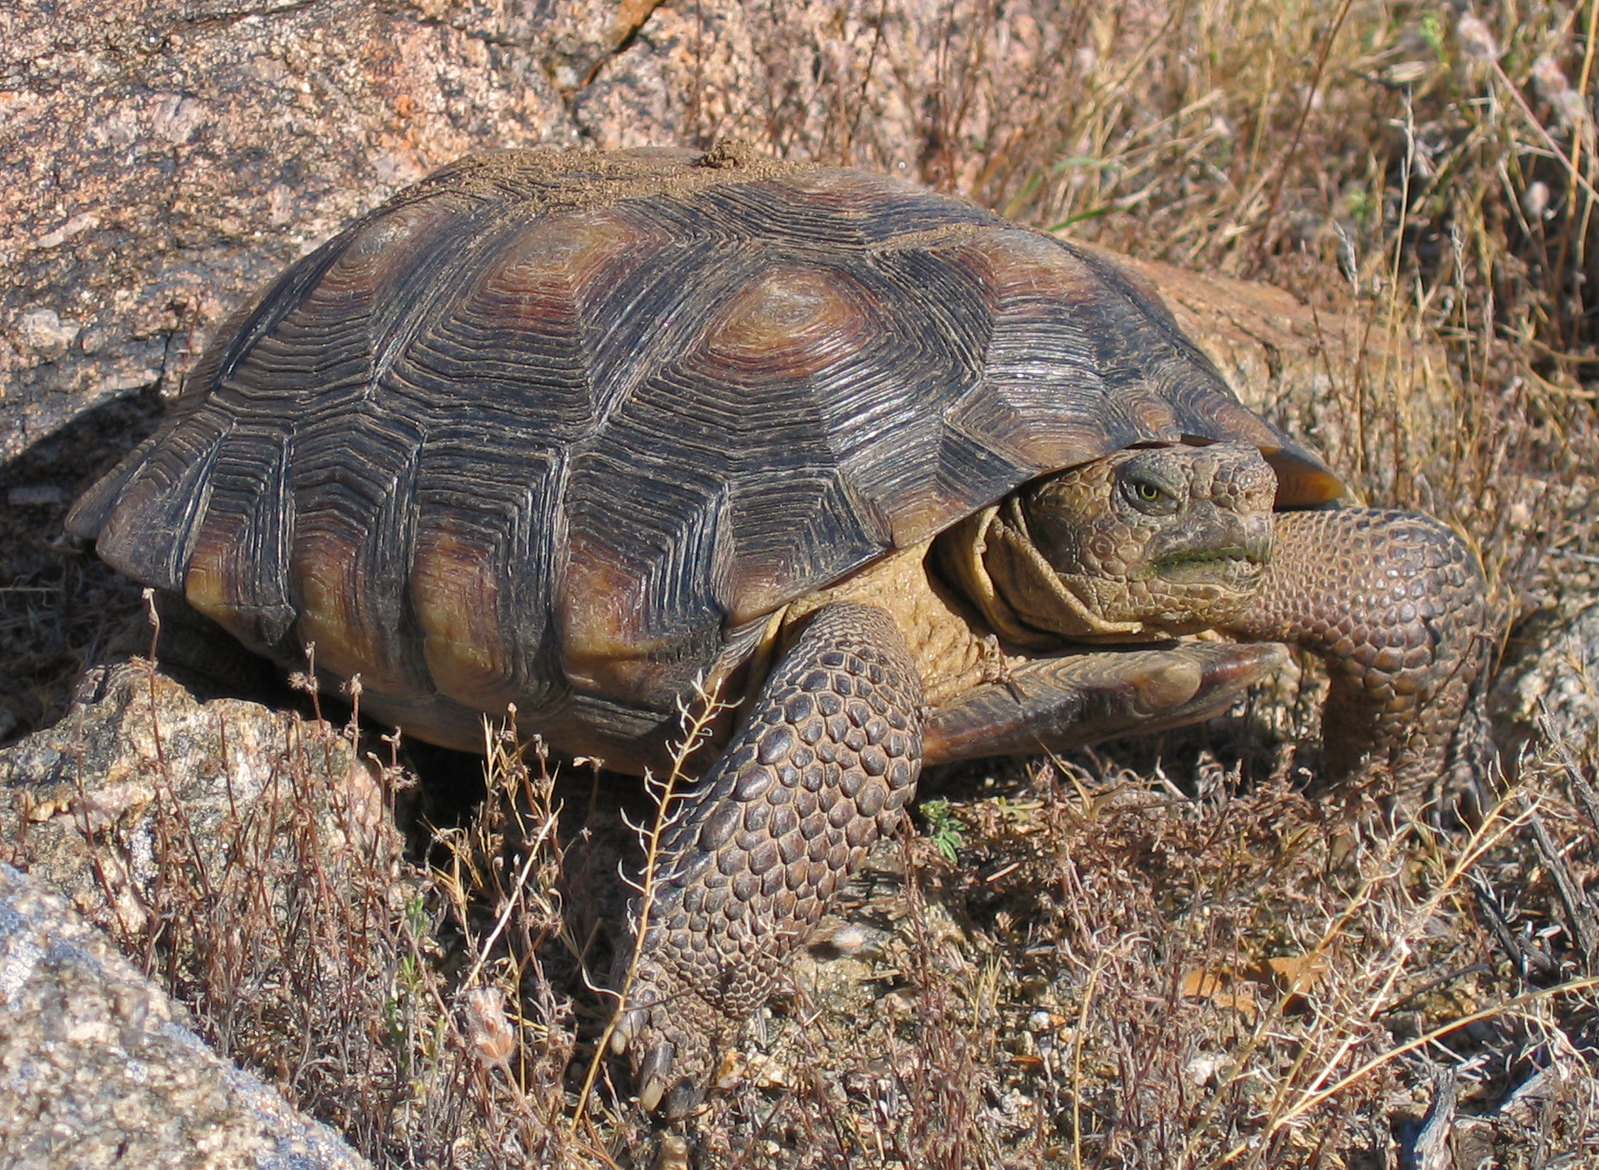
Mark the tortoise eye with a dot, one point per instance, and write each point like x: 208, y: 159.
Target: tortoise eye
x: 1149, y: 497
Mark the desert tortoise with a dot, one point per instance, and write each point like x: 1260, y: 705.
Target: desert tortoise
x: 571, y: 431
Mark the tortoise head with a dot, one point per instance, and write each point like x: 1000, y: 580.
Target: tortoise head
x: 1145, y: 542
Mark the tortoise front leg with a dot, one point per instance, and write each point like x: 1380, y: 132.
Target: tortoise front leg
x: 821, y: 769
x: 1396, y: 605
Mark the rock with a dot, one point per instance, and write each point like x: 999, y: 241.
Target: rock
x: 247, y: 852
x: 96, y: 804
x: 98, y: 1067
x: 1549, y: 690
x: 40, y: 331
x: 160, y: 161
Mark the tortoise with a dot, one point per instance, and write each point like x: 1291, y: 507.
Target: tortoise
x: 579, y: 433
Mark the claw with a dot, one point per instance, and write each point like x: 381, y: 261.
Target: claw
x: 652, y: 1073
x: 628, y: 1026
x: 649, y: 1095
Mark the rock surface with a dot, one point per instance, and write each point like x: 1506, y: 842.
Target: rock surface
x: 163, y: 160
x: 196, y: 834
x: 139, y: 767
x: 1551, y: 691
x: 98, y: 1067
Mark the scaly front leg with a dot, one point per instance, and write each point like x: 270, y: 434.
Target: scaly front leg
x: 1396, y: 605
x: 822, y: 768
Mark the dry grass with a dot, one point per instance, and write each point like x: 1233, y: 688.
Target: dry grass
x: 1117, y: 970
x: 1111, y: 974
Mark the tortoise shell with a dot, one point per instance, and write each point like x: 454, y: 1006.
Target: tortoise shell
x: 562, y: 430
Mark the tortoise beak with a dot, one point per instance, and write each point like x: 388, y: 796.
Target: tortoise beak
x: 1215, y: 544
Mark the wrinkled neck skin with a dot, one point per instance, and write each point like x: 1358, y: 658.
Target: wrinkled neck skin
x: 1139, y: 545
x: 991, y: 559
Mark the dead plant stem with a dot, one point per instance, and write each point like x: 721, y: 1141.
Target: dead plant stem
x: 698, y: 715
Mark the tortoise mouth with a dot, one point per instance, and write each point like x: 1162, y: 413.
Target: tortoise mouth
x: 1232, y: 565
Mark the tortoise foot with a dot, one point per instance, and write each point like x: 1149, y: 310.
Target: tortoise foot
x: 1396, y: 605
x: 1052, y: 704
x: 822, y: 768
x: 674, y: 1045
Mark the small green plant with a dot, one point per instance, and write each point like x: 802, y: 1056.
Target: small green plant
x: 943, y: 827
x: 1432, y: 31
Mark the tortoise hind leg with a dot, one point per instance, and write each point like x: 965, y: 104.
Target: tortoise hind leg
x: 821, y: 769
x: 1051, y: 704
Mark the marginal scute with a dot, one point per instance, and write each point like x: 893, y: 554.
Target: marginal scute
x: 209, y: 584
x: 455, y: 593
x: 333, y: 616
